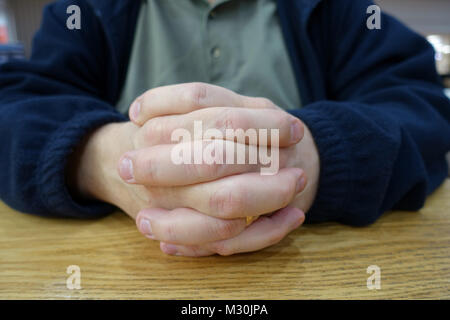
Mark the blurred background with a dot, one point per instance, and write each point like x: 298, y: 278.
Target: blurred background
x: 19, y: 20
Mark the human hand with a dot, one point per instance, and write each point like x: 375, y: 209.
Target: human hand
x: 158, y: 111
x: 176, y: 188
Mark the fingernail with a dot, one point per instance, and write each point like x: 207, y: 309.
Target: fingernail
x: 169, y: 249
x: 296, y: 131
x: 146, y: 228
x: 135, y: 109
x: 126, y: 169
x: 300, y: 184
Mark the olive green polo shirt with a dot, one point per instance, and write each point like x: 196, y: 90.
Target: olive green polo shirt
x: 236, y: 44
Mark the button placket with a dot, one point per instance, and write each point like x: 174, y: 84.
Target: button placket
x: 215, y: 47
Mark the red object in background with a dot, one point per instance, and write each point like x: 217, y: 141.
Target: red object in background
x: 3, y: 34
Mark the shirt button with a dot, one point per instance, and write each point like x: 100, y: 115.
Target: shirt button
x: 212, y: 14
x: 216, y: 52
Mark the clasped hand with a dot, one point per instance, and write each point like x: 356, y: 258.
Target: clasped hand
x: 201, y: 209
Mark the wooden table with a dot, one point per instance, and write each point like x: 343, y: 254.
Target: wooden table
x: 412, y: 250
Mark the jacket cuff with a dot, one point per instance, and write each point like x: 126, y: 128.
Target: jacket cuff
x: 335, y: 175
x: 52, y: 165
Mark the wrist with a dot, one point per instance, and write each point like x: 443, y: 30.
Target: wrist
x: 92, y: 172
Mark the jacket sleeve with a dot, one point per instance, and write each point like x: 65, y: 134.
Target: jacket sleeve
x: 47, y: 105
x: 384, y: 130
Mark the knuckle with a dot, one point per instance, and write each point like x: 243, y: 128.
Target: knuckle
x: 149, y: 130
x: 212, y: 170
x: 204, y: 170
x: 267, y: 103
x: 196, y: 250
x: 226, y: 229
x: 145, y: 165
x: 195, y: 94
x: 227, y: 202
x: 222, y: 248
x: 229, y: 119
x: 192, y: 170
x: 168, y: 232
x: 154, y: 131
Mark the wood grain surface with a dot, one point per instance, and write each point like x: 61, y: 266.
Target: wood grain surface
x: 412, y: 250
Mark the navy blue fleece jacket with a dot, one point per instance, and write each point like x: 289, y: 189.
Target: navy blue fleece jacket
x: 372, y: 100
